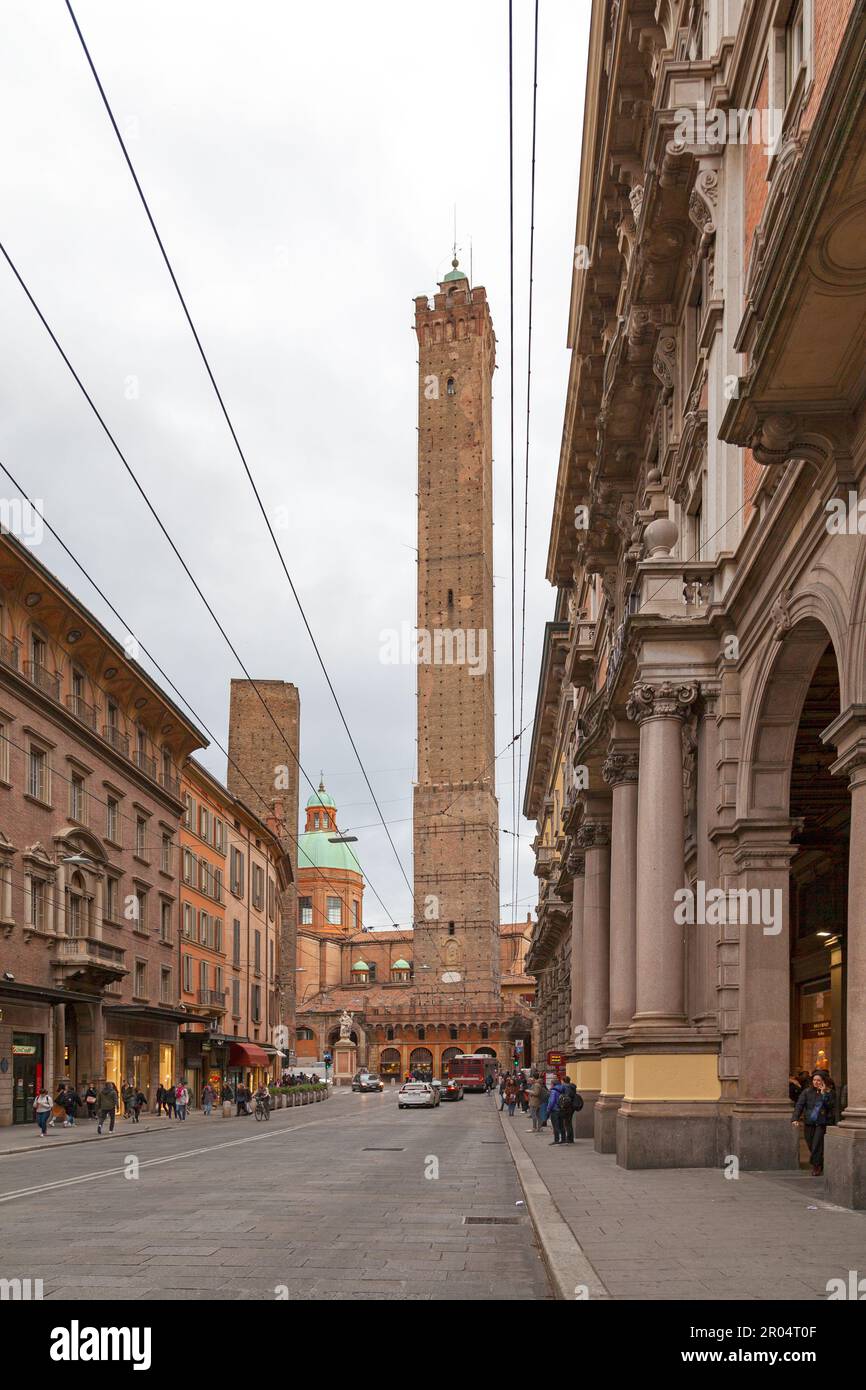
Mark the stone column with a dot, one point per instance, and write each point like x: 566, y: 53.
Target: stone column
x: 577, y: 866
x: 58, y: 1030
x: 845, y: 1152
x: 669, y: 1112
x: 593, y: 838
x: 762, y: 1136
x: 620, y: 774
x: 660, y: 711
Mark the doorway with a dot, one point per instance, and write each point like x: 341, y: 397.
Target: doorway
x: 28, y: 1075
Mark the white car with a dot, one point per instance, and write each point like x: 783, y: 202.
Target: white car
x: 417, y: 1093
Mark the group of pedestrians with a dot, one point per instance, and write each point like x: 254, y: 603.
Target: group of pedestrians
x: 175, y: 1100
x: 557, y: 1104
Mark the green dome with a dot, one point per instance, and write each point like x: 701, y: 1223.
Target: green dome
x: 360, y: 965
x: 315, y: 851
x: 455, y: 273
x: 320, y: 798
x: 401, y: 965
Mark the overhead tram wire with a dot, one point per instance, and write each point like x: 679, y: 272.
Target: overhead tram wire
x: 163, y: 529
x: 236, y: 442
x: 516, y: 792
x: 511, y: 411
x: 292, y: 835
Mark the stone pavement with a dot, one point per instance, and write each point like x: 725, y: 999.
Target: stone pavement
x: 350, y: 1199
x: 691, y: 1233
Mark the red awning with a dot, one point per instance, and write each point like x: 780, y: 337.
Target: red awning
x: 248, y: 1055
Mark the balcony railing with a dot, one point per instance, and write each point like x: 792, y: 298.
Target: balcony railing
x: 214, y: 998
x: 9, y: 653
x: 82, y: 710
x: 84, y: 948
x: 171, y: 784
x: 118, y: 741
x: 144, y: 763
x: 43, y: 679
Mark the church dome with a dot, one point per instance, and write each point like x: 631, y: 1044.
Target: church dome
x: 320, y: 798
x: 316, y: 851
x: 401, y: 965
x: 455, y: 273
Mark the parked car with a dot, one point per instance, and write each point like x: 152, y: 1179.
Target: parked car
x: 367, y: 1081
x: 414, y: 1093
x: 451, y: 1089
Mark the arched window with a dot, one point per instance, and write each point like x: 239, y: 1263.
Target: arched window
x: 306, y: 1035
x: 77, y: 924
x: 422, y: 1032
x: 485, y: 1031
x: 452, y: 1031
x: 450, y: 387
x: 420, y: 1059
x: 389, y: 1033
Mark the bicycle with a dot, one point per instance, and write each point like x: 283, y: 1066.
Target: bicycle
x: 263, y: 1110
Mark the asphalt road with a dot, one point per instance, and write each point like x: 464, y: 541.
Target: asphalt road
x: 351, y: 1199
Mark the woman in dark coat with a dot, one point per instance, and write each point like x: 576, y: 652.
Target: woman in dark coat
x: 817, y: 1106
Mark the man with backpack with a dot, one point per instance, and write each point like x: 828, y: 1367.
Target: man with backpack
x: 569, y: 1103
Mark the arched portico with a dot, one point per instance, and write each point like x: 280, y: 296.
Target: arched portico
x: 788, y: 852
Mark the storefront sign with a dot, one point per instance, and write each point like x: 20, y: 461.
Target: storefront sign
x: 23, y: 1050
x: 555, y: 1059
x: 818, y: 1028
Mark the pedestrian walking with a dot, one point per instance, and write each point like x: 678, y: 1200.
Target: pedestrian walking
x: 502, y: 1083
x: 170, y: 1095
x: 42, y: 1105
x: 128, y: 1094
x: 106, y: 1100
x: 139, y: 1101
x: 511, y: 1093
x: 817, y: 1105
x: 90, y: 1101
x: 537, y: 1096
x: 71, y: 1102
x: 208, y: 1096
x: 553, y: 1112
x: 181, y: 1100
x: 160, y: 1098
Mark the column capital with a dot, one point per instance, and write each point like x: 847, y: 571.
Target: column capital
x: 576, y: 864
x: 620, y: 767
x: 593, y: 835
x: 662, y: 700
x: 848, y: 733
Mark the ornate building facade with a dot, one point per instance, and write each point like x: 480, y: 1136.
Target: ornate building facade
x: 698, y: 767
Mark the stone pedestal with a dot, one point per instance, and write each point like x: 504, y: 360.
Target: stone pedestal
x: 345, y: 1062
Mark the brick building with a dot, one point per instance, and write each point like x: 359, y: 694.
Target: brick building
x: 90, y: 757
x: 697, y: 765
x: 234, y: 878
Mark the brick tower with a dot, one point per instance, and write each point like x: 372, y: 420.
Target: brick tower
x: 456, y: 854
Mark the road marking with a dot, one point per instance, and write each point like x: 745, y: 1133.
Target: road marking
x: 169, y: 1158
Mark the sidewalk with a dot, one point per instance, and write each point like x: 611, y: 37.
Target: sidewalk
x: 17, y: 1139
x: 685, y: 1233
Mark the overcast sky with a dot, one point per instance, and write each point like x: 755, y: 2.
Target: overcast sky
x: 302, y: 163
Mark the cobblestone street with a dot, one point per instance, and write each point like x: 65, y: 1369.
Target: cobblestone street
x: 330, y: 1202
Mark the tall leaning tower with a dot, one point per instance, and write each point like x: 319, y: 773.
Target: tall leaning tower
x: 456, y: 819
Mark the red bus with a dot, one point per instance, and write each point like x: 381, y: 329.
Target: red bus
x: 472, y: 1069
